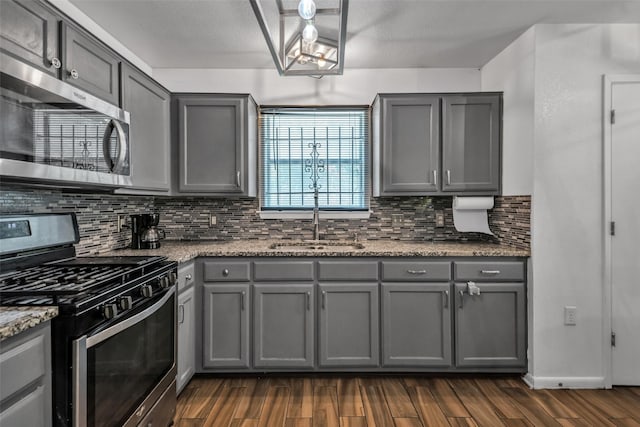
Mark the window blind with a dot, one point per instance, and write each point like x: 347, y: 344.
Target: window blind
x: 304, y: 147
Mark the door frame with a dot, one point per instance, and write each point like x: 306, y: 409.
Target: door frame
x: 607, y: 294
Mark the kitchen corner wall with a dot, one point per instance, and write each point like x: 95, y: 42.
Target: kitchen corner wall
x: 187, y: 218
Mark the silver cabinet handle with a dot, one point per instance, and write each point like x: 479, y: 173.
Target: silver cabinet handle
x: 445, y: 295
x: 308, y: 300
x: 188, y: 277
x: 417, y: 271
x: 435, y: 177
x: 448, y: 177
x: 114, y: 166
x: 73, y: 73
x: 238, y: 178
x: 181, y: 314
x: 461, y: 298
x: 490, y: 271
x: 55, y: 63
x: 225, y: 272
x: 324, y: 300
x: 242, y: 300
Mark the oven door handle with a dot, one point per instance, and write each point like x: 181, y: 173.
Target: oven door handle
x: 121, y: 326
x: 80, y: 346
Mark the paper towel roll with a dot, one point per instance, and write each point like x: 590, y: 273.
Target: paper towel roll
x: 470, y: 214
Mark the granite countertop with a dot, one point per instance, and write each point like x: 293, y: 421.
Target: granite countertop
x: 14, y: 320
x: 183, y: 251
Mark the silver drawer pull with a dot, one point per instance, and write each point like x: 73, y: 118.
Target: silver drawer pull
x: 308, y: 300
x: 188, y: 277
x: 74, y: 74
x: 490, y: 271
x: 181, y: 314
x: 445, y: 294
x: 417, y: 271
x: 242, y: 301
x: 225, y: 272
x: 435, y: 177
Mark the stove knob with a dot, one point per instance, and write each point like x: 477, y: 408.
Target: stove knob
x: 146, y: 291
x: 163, y: 282
x: 125, y: 303
x: 109, y: 311
x: 173, y: 277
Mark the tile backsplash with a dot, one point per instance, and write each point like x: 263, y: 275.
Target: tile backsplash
x: 187, y: 218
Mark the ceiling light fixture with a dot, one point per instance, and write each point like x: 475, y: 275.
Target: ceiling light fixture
x: 307, y: 40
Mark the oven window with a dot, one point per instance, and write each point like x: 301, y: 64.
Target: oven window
x: 122, y: 370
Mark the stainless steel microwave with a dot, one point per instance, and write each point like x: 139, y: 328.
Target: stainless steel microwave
x: 52, y: 132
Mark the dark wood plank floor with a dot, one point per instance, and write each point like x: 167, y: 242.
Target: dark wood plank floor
x: 398, y: 401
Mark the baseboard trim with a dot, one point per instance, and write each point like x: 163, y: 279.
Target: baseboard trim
x: 564, y: 382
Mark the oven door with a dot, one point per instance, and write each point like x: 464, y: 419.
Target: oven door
x: 121, y: 371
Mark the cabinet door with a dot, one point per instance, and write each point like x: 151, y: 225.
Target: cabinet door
x: 226, y: 326
x: 283, y: 325
x: 29, y: 31
x: 90, y: 66
x: 349, y: 331
x: 416, y: 320
x: 471, y: 143
x: 410, y: 145
x: 490, y: 327
x: 186, y: 338
x: 211, y: 137
x: 149, y: 105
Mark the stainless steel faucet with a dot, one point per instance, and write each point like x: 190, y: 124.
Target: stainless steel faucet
x: 316, y: 215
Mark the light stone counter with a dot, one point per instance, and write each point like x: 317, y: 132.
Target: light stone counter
x: 14, y: 320
x: 183, y: 251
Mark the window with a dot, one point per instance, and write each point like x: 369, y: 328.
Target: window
x: 305, y: 148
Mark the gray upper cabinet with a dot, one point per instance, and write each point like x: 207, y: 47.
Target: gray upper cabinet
x: 471, y: 143
x: 491, y: 327
x: 436, y: 144
x: 348, y: 324
x: 217, y: 139
x: 149, y: 105
x: 283, y: 326
x: 416, y: 320
x: 90, y: 66
x: 29, y: 31
x: 409, y: 145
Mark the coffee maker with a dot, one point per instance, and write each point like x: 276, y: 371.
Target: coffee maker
x: 145, y: 233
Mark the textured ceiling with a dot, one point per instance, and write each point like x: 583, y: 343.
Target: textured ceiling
x: 381, y: 33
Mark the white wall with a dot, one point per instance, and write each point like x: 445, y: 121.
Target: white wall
x: 354, y: 87
x: 512, y: 72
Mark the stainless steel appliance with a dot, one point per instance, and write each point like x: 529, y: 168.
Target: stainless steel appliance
x: 114, y: 342
x: 52, y: 132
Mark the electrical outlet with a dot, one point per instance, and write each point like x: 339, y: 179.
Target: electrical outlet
x: 570, y: 314
x: 122, y: 222
x: 439, y: 218
x: 396, y: 220
x: 213, y: 220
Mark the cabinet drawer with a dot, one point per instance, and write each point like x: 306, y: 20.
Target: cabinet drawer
x: 226, y: 271
x: 416, y: 271
x: 347, y: 270
x: 290, y: 270
x: 23, y: 362
x: 186, y: 276
x: 490, y: 271
x: 28, y: 411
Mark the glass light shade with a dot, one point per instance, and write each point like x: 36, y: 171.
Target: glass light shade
x: 307, y: 9
x: 310, y: 33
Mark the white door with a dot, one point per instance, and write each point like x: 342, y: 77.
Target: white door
x: 625, y: 244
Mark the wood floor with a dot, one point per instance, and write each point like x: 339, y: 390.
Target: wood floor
x: 400, y: 401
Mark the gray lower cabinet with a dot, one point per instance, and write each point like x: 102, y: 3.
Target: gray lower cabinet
x: 490, y: 328
x: 471, y: 143
x: 283, y: 326
x: 186, y: 337
x: 217, y: 140
x: 29, y: 31
x: 416, y: 319
x: 150, y: 134
x: 90, y: 66
x: 226, y: 326
x: 348, y: 324
x: 25, y: 364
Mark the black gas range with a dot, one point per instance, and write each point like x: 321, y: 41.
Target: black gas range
x: 113, y: 343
